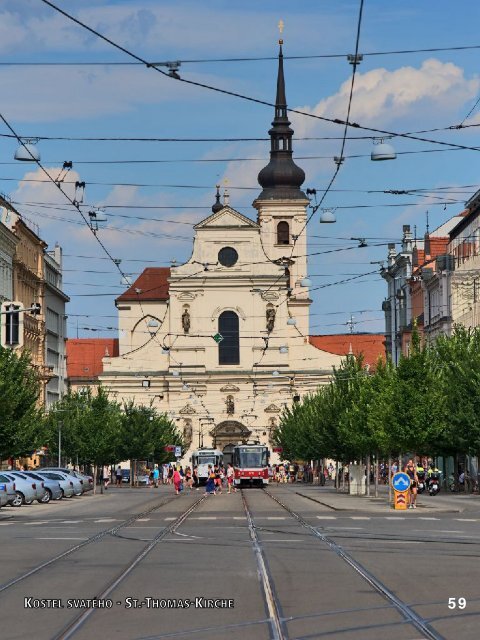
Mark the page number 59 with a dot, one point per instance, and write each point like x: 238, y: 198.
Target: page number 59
x: 453, y: 603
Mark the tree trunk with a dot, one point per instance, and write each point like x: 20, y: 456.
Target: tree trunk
x: 337, y: 479
x: 94, y: 479
x: 376, y: 475
x: 388, y: 479
x: 368, y: 475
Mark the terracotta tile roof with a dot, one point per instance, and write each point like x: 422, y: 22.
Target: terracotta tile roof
x: 371, y: 345
x: 151, y: 284
x: 84, y: 356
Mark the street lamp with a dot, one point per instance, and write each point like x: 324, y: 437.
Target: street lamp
x: 27, y: 151
x: 382, y: 150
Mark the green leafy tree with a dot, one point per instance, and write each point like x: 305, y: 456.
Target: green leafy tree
x: 458, y: 361
x: 21, y: 421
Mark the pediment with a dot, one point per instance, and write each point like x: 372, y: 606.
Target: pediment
x: 272, y: 408
x: 187, y: 410
x: 229, y: 388
x: 227, y: 217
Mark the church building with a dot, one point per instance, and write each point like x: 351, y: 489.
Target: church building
x: 221, y: 343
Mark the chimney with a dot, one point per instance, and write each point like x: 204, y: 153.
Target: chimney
x: 391, y: 254
x: 407, y: 239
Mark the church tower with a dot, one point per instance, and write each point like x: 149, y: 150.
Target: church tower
x: 282, y: 206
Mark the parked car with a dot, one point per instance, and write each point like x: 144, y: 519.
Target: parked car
x: 126, y: 475
x: 11, y: 493
x: 86, y: 482
x: 25, y: 489
x: 65, y: 482
x: 3, y: 494
x: 53, y: 490
x: 38, y: 485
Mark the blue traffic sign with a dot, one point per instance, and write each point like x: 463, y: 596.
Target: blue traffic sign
x: 178, y: 452
x: 401, y: 481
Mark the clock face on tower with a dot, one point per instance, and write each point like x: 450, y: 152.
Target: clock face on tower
x: 227, y: 256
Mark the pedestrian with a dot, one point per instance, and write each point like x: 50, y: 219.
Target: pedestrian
x: 156, y: 475
x: 218, y: 480
x: 196, y: 481
x: 230, y: 479
x: 210, y: 486
x: 106, y: 477
x: 118, y: 476
x: 188, y: 478
x: 411, y: 471
x: 177, y: 481
x: 165, y: 473
x: 170, y: 475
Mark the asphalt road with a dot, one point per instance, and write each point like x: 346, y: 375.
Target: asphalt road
x: 296, y: 562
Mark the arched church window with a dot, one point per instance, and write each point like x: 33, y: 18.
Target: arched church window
x: 229, y: 347
x: 283, y: 233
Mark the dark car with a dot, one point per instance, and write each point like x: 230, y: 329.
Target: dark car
x: 125, y: 475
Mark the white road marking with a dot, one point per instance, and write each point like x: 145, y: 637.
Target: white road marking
x: 424, y: 518
x: 401, y: 542
x: 4, y: 524
x: 60, y: 538
x: 466, y: 519
x: 204, y: 518
x: 239, y: 517
x: 359, y: 518
x: 285, y: 540
x: 275, y: 517
x: 170, y: 518
x: 143, y: 519
x: 106, y: 520
x: 70, y: 521
x: 358, y: 528
x: 394, y: 517
x: 327, y: 517
x: 33, y: 523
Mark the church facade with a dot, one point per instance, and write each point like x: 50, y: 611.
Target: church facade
x: 221, y: 342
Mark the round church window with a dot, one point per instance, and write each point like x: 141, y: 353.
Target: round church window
x: 227, y: 256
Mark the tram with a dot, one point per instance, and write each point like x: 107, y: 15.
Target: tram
x: 201, y: 458
x: 250, y: 464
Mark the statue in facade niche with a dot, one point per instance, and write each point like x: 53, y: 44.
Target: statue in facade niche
x: 271, y: 313
x: 230, y: 405
x: 186, y: 321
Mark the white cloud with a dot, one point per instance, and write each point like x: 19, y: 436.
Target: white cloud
x: 382, y: 96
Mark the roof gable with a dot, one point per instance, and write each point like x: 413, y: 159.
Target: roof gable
x: 227, y: 217
x: 151, y: 284
x: 85, y: 355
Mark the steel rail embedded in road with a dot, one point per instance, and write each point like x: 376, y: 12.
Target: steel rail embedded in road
x: 78, y: 621
x: 417, y: 621
x: 276, y: 626
x: 80, y: 545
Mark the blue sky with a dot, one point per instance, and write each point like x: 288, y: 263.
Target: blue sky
x: 397, y: 92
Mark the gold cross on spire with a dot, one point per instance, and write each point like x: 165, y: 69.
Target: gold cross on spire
x: 281, y: 25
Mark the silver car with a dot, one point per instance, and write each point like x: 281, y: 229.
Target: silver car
x: 53, y: 490
x: 11, y: 493
x: 37, y: 485
x: 25, y: 489
x: 77, y: 482
x: 66, y: 483
x: 85, y: 481
x: 3, y: 494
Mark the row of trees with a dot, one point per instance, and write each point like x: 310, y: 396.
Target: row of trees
x: 428, y: 404
x: 95, y: 430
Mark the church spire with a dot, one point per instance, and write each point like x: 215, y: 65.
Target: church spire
x: 281, y: 178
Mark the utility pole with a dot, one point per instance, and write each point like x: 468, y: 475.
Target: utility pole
x: 60, y: 443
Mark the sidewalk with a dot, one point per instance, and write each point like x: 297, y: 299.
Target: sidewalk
x: 338, y: 501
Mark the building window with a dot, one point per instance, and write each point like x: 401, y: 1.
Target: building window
x: 283, y: 233
x: 227, y: 256
x: 229, y: 347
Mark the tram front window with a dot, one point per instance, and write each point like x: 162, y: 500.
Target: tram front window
x: 207, y: 460
x: 251, y: 458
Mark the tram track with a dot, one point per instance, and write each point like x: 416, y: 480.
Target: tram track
x: 74, y: 625
x: 277, y: 629
x: 95, y: 538
x: 409, y: 615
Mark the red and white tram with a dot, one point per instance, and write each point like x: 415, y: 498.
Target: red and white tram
x: 250, y: 464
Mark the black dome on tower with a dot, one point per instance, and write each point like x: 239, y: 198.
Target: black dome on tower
x: 281, y: 178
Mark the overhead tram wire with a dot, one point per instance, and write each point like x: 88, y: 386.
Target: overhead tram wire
x: 242, y: 59
x: 233, y: 94
x: 317, y: 206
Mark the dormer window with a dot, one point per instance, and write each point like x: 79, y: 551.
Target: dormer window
x: 283, y: 233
